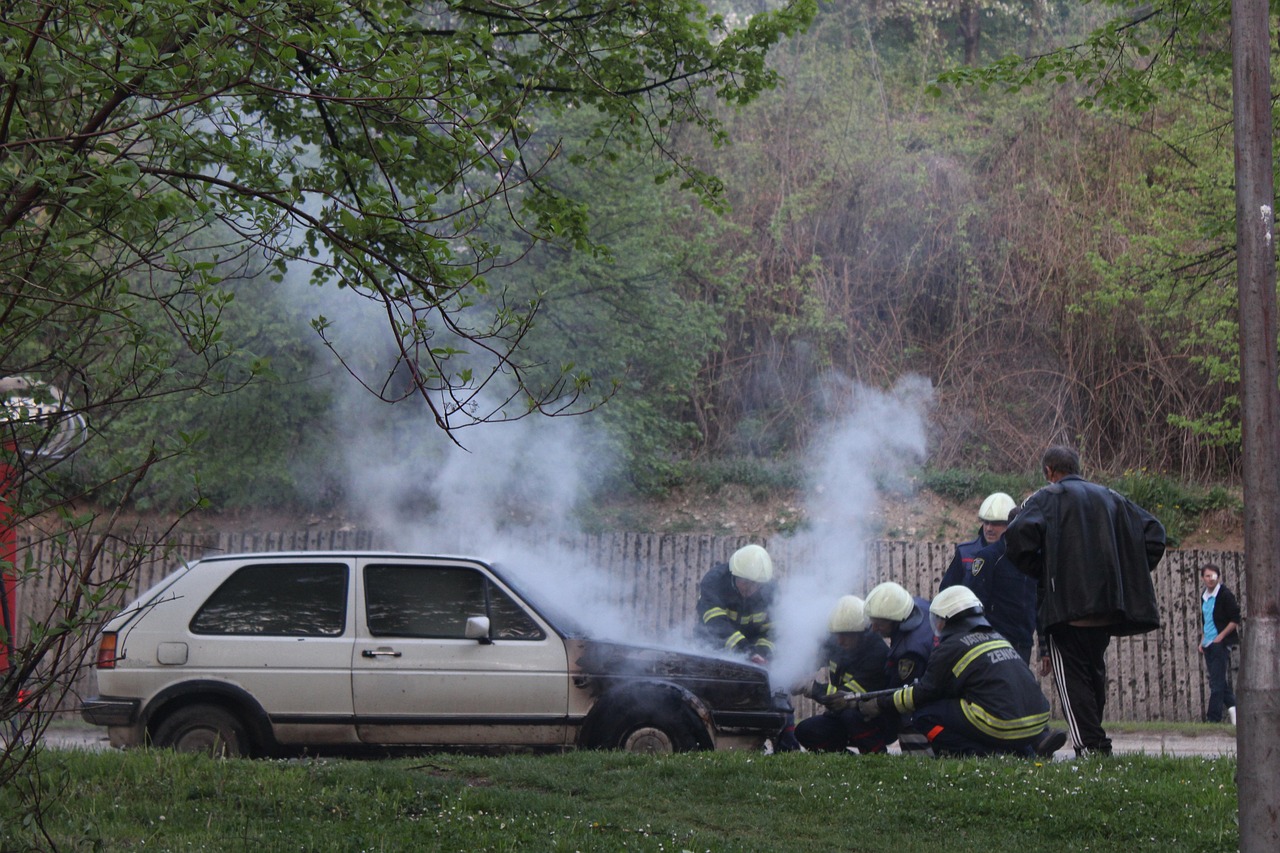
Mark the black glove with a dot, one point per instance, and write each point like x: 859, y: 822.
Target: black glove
x: 869, y: 708
x: 838, y: 701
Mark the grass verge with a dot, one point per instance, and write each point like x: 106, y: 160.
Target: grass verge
x: 156, y: 800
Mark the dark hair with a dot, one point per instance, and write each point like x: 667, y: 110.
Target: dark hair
x: 1062, y: 459
x: 1211, y: 567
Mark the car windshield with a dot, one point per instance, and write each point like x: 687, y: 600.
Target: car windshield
x: 542, y: 597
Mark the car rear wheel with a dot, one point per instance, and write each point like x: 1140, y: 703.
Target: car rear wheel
x: 205, y: 729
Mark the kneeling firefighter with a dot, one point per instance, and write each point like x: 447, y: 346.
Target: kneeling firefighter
x: 856, y: 658
x: 977, y: 696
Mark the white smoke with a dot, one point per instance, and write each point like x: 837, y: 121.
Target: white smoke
x: 870, y: 442
x: 510, y: 491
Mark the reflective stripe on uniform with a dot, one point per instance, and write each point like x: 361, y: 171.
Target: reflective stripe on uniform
x: 1017, y: 729
x: 716, y: 612
x: 978, y: 651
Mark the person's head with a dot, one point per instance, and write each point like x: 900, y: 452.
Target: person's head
x: 994, y: 515
x: 1209, y: 575
x: 751, y: 567
x: 1059, y: 461
x: 952, y: 603
x: 847, y: 621
x: 888, y: 604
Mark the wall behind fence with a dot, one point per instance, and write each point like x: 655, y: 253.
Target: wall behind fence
x: 654, y: 578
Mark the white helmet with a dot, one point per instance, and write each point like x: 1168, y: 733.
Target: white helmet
x: 996, y: 507
x: 848, y: 617
x: 889, y: 601
x: 752, y: 563
x: 953, y: 600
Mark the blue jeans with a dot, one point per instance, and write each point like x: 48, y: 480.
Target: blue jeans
x: 1217, y: 659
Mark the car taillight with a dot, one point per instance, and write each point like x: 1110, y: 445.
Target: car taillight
x: 107, y: 651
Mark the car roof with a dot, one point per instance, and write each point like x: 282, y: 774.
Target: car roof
x: 348, y: 553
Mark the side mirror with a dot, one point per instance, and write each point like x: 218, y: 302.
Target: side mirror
x: 478, y: 629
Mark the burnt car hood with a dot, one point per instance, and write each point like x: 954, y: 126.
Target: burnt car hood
x: 602, y: 665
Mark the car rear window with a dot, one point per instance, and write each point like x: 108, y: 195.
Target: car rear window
x: 436, y: 601
x: 278, y: 599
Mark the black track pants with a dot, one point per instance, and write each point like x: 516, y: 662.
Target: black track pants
x: 1079, y: 663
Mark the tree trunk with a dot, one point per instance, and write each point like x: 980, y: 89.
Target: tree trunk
x: 1258, y: 739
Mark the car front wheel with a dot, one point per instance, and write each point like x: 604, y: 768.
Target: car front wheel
x: 668, y: 732
x: 205, y: 729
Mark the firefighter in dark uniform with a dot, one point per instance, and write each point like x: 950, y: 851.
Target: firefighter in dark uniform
x: 993, y: 516
x: 1008, y: 596
x: 733, y: 615
x: 977, y: 696
x: 733, y: 605
x: 856, y: 664
x: 901, y: 619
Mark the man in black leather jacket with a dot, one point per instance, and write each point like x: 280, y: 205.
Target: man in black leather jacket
x: 1092, y: 551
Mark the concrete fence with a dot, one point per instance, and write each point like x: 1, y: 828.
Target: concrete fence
x: 654, y: 577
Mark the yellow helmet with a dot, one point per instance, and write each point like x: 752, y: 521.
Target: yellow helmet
x: 752, y: 563
x: 889, y: 601
x: 848, y: 617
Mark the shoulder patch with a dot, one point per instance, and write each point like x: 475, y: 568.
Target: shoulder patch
x: 906, y: 666
x: 978, y: 563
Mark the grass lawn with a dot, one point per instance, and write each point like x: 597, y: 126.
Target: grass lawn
x: 154, y: 800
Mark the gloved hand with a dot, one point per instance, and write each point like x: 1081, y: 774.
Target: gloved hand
x: 869, y: 708
x: 837, y: 701
x: 815, y: 691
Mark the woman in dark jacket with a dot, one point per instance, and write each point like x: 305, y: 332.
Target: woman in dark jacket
x: 1220, y: 615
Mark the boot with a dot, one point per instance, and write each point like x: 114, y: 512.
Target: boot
x: 1231, y: 715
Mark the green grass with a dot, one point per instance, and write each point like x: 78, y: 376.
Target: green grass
x: 146, y: 800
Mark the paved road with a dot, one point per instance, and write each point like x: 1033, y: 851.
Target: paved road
x: 1210, y: 744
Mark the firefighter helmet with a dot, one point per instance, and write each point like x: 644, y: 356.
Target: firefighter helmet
x: 954, y: 600
x: 752, y: 563
x: 996, y: 507
x: 848, y: 617
x: 889, y: 601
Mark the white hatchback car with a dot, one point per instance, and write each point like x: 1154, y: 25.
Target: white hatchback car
x: 269, y: 654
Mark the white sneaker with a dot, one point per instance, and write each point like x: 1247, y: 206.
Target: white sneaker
x: 1231, y: 715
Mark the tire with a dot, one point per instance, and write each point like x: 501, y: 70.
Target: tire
x: 204, y: 729
x: 657, y: 733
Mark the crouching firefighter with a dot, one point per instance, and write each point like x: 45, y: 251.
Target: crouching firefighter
x: 977, y: 696
x: 903, y: 620
x: 855, y: 665
x: 733, y: 614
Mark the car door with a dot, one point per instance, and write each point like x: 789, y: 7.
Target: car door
x: 418, y: 678
x: 280, y: 630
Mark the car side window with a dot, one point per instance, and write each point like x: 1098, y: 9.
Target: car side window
x: 275, y: 599
x: 436, y: 601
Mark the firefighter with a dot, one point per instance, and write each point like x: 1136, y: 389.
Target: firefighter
x: 993, y: 518
x: 977, y: 696
x: 1008, y: 596
x: 901, y: 619
x: 733, y: 605
x: 733, y: 615
x: 856, y: 664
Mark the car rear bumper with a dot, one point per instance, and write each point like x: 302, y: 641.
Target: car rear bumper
x: 110, y: 711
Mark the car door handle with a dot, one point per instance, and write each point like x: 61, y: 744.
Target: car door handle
x: 380, y: 653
